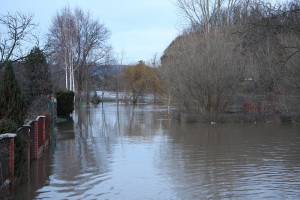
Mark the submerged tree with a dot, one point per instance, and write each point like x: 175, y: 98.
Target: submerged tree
x: 137, y: 79
x: 203, y: 73
x: 11, y: 98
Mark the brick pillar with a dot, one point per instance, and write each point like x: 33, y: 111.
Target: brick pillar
x: 28, y: 145
x: 44, y: 131
x: 49, y: 128
x: 36, y: 141
x: 11, y: 158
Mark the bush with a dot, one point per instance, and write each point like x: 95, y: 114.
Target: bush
x: 38, y: 106
x: 65, y: 101
x: 220, y: 118
x: 11, y: 97
x: 95, y: 99
x: 8, y: 126
x: 290, y: 117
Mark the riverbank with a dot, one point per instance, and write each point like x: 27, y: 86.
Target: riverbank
x: 236, y: 118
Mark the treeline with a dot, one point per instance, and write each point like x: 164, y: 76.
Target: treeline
x: 74, y: 48
x: 234, y: 53
x: 233, y: 56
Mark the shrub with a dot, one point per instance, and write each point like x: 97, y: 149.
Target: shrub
x: 250, y: 107
x: 8, y: 126
x: 11, y: 97
x: 65, y: 101
x: 38, y: 106
x: 290, y: 117
x: 95, y: 99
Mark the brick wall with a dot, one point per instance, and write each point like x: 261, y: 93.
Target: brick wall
x: 7, y: 153
x: 37, y: 134
x: 4, y: 162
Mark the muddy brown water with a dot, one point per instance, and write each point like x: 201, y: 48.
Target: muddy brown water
x: 126, y: 152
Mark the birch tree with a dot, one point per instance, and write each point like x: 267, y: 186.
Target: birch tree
x: 77, y: 43
x: 60, y: 42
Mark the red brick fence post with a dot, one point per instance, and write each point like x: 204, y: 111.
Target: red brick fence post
x: 36, y: 141
x: 39, y: 136
x: 28, y: 132
x: 12, y: 157
x: 11, y: 153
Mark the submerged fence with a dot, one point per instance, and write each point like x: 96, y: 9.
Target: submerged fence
x: 39, y: 134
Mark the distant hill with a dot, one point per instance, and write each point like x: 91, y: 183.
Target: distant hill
x: 109, y: 70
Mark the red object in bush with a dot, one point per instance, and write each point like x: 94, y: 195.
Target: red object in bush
x: 250, y: 107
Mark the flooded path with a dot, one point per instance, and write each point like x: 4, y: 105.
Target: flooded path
x: 131, y: 153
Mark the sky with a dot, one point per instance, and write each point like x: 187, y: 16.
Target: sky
x: 139, y: 28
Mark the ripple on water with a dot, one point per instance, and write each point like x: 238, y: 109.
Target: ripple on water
x: 137, y: 153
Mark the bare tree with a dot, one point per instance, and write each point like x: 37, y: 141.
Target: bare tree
x: 203, y: 73
x: 77, y: 43
x: 264, y: 58
x: 270, y: 34
x: 61, y: 40
x: 291, y: 42
x: 16, y: 30
x: 118, y: 75
x: 91, y: 47
x: 206, y: 13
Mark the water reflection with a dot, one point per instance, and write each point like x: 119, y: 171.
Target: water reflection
x: 229, y: 161
x: 36, y: 178
x: 126, y: 152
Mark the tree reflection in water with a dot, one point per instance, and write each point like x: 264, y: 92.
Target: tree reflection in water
x: 113, y: 151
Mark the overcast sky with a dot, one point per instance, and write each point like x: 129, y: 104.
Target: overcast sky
x: 140, y: 28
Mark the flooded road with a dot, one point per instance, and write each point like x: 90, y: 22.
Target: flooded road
x: 128, y: 152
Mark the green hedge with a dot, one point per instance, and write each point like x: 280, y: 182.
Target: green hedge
x: 65, y: 101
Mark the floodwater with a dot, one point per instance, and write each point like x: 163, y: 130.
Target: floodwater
x: 127, y: 152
